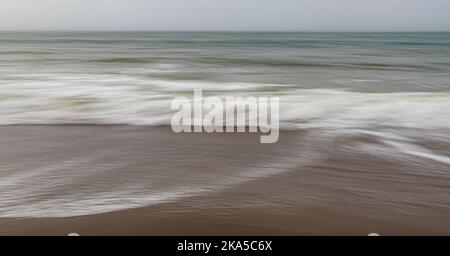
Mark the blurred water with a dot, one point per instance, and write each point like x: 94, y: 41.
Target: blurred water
x: 323, y: 79
x: 394, y: 87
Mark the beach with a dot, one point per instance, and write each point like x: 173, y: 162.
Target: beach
x: 134, y: 180
x: 86, y: 143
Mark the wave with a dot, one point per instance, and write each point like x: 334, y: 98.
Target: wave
x: 96, y: 182
x: 101, y: 99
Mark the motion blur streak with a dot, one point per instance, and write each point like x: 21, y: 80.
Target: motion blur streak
x: 364, y: 119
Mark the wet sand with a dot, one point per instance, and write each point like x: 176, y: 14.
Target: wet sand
x: 129, y: 180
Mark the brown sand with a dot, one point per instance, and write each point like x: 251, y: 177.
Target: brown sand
x: 330, y: 188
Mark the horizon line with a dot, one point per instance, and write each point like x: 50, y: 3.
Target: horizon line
x: 238, y: 31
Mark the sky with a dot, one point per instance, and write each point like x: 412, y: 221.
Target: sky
x: 226, y: 15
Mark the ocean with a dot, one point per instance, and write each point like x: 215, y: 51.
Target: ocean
x: 323, y: 79
x: 364, y: 117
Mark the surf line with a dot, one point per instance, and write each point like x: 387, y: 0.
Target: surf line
x: 232, y: 114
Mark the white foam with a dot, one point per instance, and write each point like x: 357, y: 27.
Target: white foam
x: 122, y: 99
x: 15, y: 201
x: 418, y: 151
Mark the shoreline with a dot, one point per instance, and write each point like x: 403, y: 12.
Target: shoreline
x: 309, y: 183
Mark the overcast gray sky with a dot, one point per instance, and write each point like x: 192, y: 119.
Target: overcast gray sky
x: 302, y: 15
